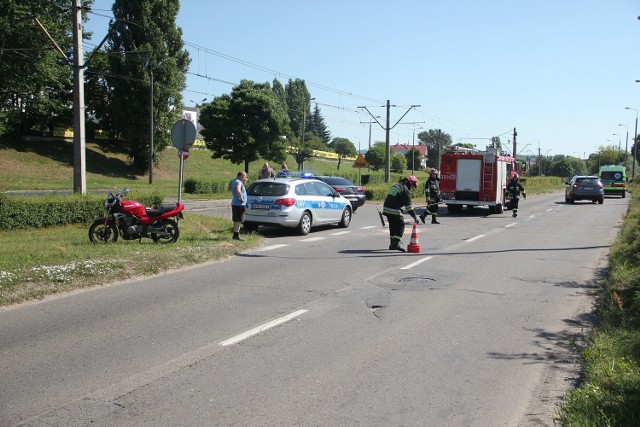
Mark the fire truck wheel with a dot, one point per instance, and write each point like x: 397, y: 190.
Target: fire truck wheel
x: 499, y: 208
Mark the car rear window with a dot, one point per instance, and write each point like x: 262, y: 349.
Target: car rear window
x: 336, y: 180
x: 273, y: 189
x: 587, y: 181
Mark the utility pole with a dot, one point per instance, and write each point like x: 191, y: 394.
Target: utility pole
x: 387, y: 128
x: 79, y: 143
x: 514, y: 143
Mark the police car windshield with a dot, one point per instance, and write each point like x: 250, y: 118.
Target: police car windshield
x: 268, y: 188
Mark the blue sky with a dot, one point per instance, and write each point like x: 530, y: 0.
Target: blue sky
x: 560, y: 71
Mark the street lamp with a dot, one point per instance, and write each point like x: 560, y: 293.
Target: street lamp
x: 626, y: 144
x: 619, y: 144
x: 413, y: 151
x: 635, y: 143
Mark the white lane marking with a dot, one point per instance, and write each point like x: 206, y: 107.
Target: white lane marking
x: 261, y: 328
x: 340, y: 233
x: 368, y: 227
x: 532, y: 216
x: 268, y: 248
x: 313, y: 239
x: 407, y: 267
x: 480, y: 236
x: 510, y: 225
x: 549, y: 210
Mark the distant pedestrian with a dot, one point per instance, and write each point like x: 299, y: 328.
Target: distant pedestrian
x: 267, y: 172
x: 432, y: 192
x: 399, y: 196
x: 238, y: 203
x: 514, y: 188
x: 284, y: 171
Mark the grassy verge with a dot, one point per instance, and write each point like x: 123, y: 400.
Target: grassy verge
x: 610, y: 392
x: 39, y: 262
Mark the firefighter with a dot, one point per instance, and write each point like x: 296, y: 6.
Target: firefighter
x: 399, y: 196
x: 432, y: 192
x: 513, y: 190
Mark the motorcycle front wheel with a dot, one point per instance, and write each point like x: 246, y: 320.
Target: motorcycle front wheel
x: 99, y: 232
x: 169, y: 234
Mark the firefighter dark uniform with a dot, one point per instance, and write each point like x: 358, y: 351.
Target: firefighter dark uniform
x: 514, y: 188
x: 432, y: 193
x: 399, y: 196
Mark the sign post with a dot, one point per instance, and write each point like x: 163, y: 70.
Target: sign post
x: 360, y: 163
x: 183, y: 135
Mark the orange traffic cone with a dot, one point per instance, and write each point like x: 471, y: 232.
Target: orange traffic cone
x: 414, y: 246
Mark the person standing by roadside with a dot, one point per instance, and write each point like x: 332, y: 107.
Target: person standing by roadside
x: 238, y: 203
x: 432, y: 191
x: 399, y: 196
x: 513, y: 190
x: 267, y: 172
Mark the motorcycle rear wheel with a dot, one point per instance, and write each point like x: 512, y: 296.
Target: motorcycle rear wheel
x: 99, y: 232
x: 170, y: 234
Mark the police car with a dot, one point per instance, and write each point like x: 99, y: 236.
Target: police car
x: 295, y: 201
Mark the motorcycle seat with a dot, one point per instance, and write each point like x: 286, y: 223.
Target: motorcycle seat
x: 159, y: 211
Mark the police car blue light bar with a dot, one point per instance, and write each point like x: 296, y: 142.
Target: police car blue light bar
x: 284, y: 174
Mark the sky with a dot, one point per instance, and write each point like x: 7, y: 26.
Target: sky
x: 561, y: 72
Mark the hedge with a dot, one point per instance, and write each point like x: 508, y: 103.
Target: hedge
x: 50, y: 211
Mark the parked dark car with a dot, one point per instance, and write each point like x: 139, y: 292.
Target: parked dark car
x: 584, y: 188
x: 348, y: 190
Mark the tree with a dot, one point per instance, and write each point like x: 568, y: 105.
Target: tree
x: 398, y: 163
x: 37, y: 81
x: 414, y: 159
x: 343, y: 148
x: 376, y: 156
x: 435, y: 140
x: 318, y: 127
x: 247, y: 125
x: 496, y: 143
x: 299, y: 103
x: 146, y: 45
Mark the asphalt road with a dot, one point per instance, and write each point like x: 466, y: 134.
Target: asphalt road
x: 481, y: 328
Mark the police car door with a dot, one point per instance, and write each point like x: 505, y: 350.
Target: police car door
x: 330, y: 210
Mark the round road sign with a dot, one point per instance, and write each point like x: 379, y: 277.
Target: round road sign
x: 183, y: 134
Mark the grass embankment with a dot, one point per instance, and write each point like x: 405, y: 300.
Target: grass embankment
x: 610, y: 392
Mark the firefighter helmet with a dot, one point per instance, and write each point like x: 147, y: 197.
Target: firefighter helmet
x: 514, y: 175
x: 412, y: 180
x: 434, y: 170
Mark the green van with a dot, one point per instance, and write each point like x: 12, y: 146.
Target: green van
x: 614, y: 179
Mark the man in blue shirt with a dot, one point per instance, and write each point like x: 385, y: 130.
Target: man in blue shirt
x: 238, y: 203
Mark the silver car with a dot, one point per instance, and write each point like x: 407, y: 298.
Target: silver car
x: 298, y: 202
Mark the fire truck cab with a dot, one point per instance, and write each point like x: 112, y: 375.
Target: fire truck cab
x: 475, y: 178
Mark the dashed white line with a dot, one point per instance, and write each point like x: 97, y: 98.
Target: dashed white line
x: 368, y: 227
x: 340, y: 233
x: 261, y: 328
x: 549, y: 210
x: 480, y: 236
x: 268, y: 248
x: 510, y: 225
x: 313, y: 239
x: 407, y: 267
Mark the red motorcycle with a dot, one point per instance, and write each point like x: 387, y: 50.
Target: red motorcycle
x: 130, y: 220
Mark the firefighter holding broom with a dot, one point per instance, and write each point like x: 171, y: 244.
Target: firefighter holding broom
x: 399, y: 196
x: 432, y: 192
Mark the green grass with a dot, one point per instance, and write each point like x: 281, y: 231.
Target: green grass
x: 39, y: 262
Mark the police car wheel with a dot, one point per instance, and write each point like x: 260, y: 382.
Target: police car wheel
x: 304, y: 226
x: 346, y: 218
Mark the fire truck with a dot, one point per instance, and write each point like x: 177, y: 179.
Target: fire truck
x: 469, y: 177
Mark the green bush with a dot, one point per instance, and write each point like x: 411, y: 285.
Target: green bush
x: 201, y: 186
x: 41, y: 212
